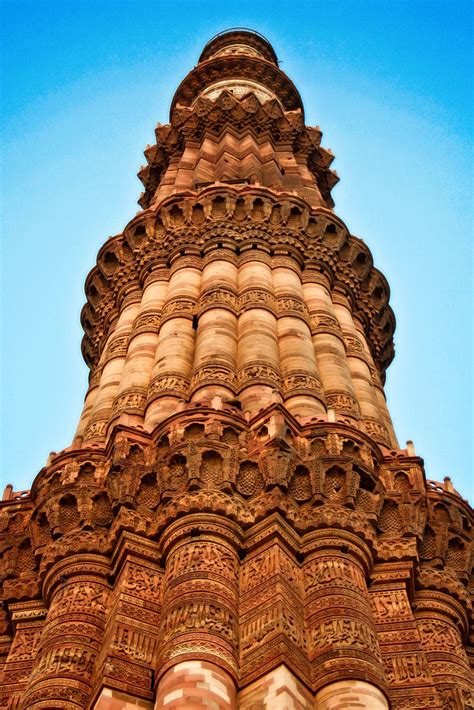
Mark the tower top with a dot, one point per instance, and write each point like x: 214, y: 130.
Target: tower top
x: 238, y: 40
x: 240, y: 61
x: 235, y: 468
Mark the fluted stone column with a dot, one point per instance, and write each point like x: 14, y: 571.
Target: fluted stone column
x: 271, y: 618
x: 89, y: 399
x: 329, y: 346
x: 301, y: 384
x: 353, y: 693
x: 27, y: 620
x: 196, y: 684
x: 199, y: 633
x: 360, y: 372
x: 175, y: 348
x: 442, y: 623
x: 95, y: 377
x: 280, y: 689
x: 215, y: 357
x: 258, y: 353
x: 132, y: 393
x: 77, y: 592
x: 113, y: 367
x: 378, y: 386
x: 342, y: 639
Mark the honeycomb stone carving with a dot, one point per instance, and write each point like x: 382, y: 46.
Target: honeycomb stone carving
x: 234, y: 524
x: 249, y: 479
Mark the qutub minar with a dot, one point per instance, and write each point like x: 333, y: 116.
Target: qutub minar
x: 234, y: 524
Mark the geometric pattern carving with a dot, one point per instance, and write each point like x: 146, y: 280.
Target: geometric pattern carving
x: 234, y: 524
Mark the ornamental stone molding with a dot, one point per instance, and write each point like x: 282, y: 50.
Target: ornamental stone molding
x: 234, y: 524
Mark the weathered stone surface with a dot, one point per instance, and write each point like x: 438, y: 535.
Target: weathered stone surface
x: 234, y: 525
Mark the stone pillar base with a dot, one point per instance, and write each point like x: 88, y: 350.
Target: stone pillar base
x: 351, y: 693
x: 115, y: 700
x: 277, y: 690
x: 194, y: 685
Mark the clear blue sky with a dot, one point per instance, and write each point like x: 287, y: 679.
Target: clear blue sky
x: 84, y: 84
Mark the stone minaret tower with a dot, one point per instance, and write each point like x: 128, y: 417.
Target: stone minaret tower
x: 235, y: 525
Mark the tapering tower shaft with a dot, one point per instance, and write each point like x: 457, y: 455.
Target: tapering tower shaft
x: 237, y: 280
x: 234, y: 525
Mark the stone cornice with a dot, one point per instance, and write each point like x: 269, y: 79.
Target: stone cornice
x: 238, y: 67
x: 308, y: 499
x: 446, y: 493
x: 197, y: 222
x: 241, y: 36
x: 265, y: 121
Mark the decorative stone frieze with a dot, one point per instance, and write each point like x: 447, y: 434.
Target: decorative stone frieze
x: 234, y: 525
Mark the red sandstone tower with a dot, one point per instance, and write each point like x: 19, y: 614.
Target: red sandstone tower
x: 234, y: 525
